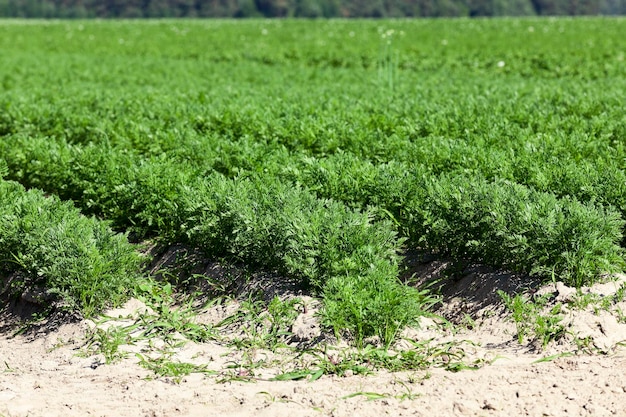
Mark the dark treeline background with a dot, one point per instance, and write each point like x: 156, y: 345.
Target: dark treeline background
x: 305, y: 8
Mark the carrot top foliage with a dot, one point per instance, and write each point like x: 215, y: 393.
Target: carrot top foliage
x: 324, y: 149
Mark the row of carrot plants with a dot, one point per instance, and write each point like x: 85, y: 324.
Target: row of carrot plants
x: 344, y: 256
x: 566, y: 143
x: 51, y: 252
x: 466, y: 217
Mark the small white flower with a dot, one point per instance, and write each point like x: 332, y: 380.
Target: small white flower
x: 501, y: 64
x: 388, y: 34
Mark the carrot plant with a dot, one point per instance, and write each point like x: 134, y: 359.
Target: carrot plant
x: 50, y: 248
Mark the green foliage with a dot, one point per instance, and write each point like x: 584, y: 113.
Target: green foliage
x: 264, y: 325
x: 495, y: 222
x: 176, y: 370
x: 422, y: 355
x: 51, y: 247
x: 372, y: 305
x: 107, y: 342
x: 169, y: 322
x: 303, y: 148
x: 532, y: 321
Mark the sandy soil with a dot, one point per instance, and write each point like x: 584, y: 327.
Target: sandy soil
x: 38, y: 381
x: 50, y: 374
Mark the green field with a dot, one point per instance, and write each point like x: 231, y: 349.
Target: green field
x: 321, y: 150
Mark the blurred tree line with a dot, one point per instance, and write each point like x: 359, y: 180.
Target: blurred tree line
x: 305, y: 8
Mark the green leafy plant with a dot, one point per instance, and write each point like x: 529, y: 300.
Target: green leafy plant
x: 163, y: 367
x: 370, y: 305
x: 107, y: 342
x: 171, y: 318
x: 531, y: 321
x: 73, y: 258
x: 264, y: 325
